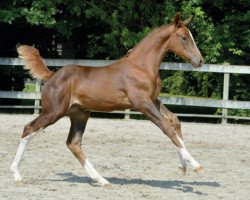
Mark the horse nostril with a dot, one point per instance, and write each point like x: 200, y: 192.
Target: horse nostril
x: 201, y: 62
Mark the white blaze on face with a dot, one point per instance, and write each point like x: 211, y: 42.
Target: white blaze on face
x: 192, y: 39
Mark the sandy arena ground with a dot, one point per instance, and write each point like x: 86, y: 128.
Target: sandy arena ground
x: 139, y: 161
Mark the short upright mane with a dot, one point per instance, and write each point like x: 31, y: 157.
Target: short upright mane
x: 150, y: 34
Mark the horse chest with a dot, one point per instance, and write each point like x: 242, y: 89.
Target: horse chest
x: 143, y: 86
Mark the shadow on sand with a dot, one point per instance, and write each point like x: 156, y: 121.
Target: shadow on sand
x: 184, y: 186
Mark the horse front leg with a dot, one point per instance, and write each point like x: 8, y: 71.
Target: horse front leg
x: 79, y: 120
x: 173, y: 119
x: 158, y: 115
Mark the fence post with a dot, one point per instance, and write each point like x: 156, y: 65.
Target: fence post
x: 37, y: 101
x: 127, y: 115
x: 225, y: 95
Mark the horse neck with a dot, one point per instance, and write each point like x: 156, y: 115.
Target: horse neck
x: 150, y: 52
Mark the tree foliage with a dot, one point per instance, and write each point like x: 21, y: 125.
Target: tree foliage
x: 107, y: 29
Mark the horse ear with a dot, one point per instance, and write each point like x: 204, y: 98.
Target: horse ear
x: 177, y: 20
x: 186, y: 22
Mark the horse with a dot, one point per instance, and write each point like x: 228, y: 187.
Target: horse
x: 132, y: 82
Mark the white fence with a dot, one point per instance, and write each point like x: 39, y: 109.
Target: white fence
x: 224, y: 103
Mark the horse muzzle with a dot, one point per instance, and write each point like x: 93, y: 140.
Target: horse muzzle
x: 197, y: 62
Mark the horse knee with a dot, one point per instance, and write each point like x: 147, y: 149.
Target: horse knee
x: 176, y: 121
x: 73, y: 147
x: 70, y: 145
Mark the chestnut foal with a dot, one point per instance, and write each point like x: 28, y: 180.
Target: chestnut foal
x: 132, y: 82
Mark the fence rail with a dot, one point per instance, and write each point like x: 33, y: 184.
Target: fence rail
x: 224, y: 103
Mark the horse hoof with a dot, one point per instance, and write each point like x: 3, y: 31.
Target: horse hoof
x: 182, y: 170
x: 104, y: 184
x: 199, y: 170
x: 108, y: 186
x: 100, y: 183
x: 19, y: 183
x: 18, y: 178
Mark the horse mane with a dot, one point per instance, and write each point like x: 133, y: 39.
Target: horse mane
x: 149, y: 35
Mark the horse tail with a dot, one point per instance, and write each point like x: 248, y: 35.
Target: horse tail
x: 33, y: 62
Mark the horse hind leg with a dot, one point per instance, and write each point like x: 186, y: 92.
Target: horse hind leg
x: 19, y: 154
x: 30, y: 130
x: 79, y: 118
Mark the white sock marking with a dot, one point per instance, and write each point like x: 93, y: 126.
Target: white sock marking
x: 94, y: 174
x: 185, y: 156
x: 15, y: 165
x: 188, y: 158
x: 183, y: 163
x: 19, y: 154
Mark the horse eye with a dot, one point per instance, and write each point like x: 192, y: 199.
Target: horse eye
x: 184, y: 38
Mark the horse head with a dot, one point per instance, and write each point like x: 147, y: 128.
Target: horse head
x: 183, y: 44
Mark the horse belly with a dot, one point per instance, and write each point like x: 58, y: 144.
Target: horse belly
x: 103, y: 101
x: 101, y: 90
